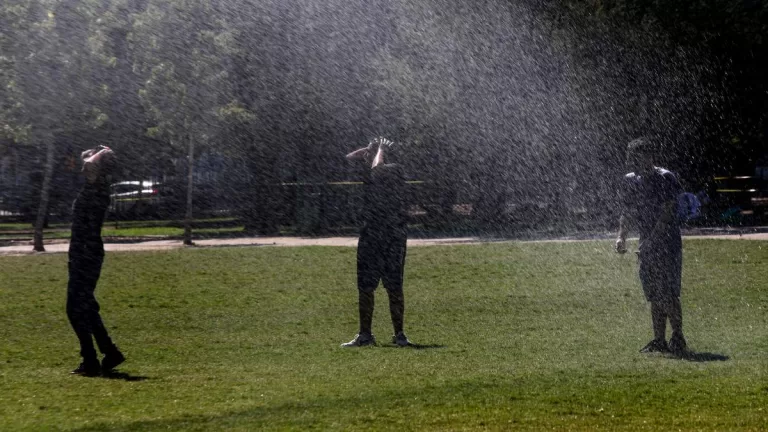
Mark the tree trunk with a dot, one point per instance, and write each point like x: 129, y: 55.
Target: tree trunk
x: 264, y: 195
x: 42, y: 209
x: 190, y: 186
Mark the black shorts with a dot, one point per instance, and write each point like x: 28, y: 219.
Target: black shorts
x: 381, y: 257
x: 660, y: 274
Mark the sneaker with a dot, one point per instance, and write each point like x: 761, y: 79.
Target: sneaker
x: 656, y: 345
x: 360, y: 340
x: 89, y: 369
x: 677, y: 344
x: 400, y: 339
x: 111, y: 361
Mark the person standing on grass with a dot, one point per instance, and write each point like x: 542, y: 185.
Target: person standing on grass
x: 649, y: 201
x: 382, y: 244
x: 86, y: 255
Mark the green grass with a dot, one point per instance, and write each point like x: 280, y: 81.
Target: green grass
x: 516, y: 336
x: 168, y: 231
x: 130, y: 230
x: 28, y: 226
x: 124, y: 224
x: 28, y: 235
x: 13, y: 226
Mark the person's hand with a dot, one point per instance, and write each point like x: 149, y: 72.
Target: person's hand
x: 385, y: 143
x: 373, y: 146
x: 621, y: 245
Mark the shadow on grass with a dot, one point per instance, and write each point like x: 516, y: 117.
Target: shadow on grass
x: 699, y: 357
x: 116, y: 375
x: 320, y: 413
x: 518, y: 397
x: 415, y: 346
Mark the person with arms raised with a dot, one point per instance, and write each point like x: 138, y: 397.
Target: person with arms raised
x: 86, y: 256
x: 382, y: 244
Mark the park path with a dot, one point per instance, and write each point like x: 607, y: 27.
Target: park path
x: 62, y: 247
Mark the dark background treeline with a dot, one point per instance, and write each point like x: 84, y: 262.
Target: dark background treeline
x: 495, y: 102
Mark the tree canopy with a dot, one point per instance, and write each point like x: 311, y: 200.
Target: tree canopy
x: 494, y: 96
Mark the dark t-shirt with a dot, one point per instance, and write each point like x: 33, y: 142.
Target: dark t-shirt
x: 385, y: 199
x: 88, y: 214
x: 643, y: 201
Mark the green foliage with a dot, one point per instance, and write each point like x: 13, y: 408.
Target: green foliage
x: 731, y: 33
x: 525, y: 336
x: 694, y: 21
x: 235, y: 111
x: 495, y: 94
x: 181, y: 51
x: 50, y: 68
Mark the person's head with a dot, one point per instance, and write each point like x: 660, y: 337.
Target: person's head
x: 98, y: 163
x: 640, y: 155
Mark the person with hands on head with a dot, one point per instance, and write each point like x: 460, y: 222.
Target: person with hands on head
x: 382, y: 245
x: 86, y: 256
x: 649, y: 197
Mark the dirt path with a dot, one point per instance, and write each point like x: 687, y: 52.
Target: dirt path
x: 62, y: 247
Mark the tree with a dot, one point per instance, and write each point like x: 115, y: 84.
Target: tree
x: 256, y: 191
x: 732, y: 34
x: 50, y: 87
x: 125, y: 119
x: 180, y: 47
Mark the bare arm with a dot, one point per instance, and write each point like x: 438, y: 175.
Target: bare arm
x: 624, y: 221
x: 379, y: 158
x: 621, y: 240
x: 383, y: 144
x: 91, y: 163
x: 358, y: 154
x: 623, y: 227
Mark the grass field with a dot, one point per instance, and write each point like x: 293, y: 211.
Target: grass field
x: 202, y: 228
x: 527, y: 336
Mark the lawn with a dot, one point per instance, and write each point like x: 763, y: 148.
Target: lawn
x: 527, y: 336
x: 202, y: 228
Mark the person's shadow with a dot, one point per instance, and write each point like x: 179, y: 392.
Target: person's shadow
x: 415, y: 346
x: 694, y: 356
x: 117, y: 375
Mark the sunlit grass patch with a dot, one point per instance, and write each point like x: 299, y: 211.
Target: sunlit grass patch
x: 174, y: 229
x: 168, y: 231
x: 527, y: 336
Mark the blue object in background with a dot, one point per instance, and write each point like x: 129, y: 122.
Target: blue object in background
x: 688, y: 206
